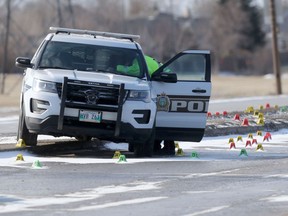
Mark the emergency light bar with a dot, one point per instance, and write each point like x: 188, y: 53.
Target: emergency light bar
x: 104, y: 34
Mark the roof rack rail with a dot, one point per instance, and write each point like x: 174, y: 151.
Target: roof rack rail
x: 98, y: 33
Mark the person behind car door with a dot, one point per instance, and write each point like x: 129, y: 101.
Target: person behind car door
x: 134, y: 69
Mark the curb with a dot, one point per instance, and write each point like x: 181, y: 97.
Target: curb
x: 222, y: 126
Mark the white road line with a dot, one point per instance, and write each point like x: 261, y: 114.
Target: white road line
x: 120, y: 203
x: 210, y: 174
x: 215, y: 209
x: 8, y: 119
x: 198, y: 192
x: 277, y: 176
x: 283, y: 198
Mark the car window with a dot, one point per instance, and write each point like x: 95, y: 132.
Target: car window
x: 92, y: 58
x: 188, y: 67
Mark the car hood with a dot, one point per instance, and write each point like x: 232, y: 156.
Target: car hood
x: 56, y: 75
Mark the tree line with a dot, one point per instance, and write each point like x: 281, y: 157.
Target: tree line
x: 232, y: 30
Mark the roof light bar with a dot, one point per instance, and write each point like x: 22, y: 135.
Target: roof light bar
x: 104, y: 34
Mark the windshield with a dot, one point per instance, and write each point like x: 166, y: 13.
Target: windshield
x: 92, y: 58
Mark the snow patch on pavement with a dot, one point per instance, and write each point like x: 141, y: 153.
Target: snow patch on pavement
x: 209, y: 149
x: 24, y: 204
x: 282, y: 198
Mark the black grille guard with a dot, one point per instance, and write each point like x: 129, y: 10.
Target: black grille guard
x: 122, y: 94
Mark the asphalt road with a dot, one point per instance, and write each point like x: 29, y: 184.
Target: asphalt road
x: 240, y: 104
x: 82, y: 179
x: 89, y: 182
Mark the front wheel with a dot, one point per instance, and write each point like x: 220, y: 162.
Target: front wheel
x: 23, y: 133
x: 131, y: 147
x: 144, y: 148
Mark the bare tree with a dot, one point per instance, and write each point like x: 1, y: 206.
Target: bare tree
x: 6, y: 43
x: 72, y: 15
x: 59, y: 12
x: 162, y: 34
x: 224, y: 36
x: 141, y: 8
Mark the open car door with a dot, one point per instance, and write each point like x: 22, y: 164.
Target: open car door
x: 183, y: 89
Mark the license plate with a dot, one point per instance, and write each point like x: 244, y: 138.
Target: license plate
x: 90, y: 116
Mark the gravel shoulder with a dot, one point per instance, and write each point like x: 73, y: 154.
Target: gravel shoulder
x: 221, y: 125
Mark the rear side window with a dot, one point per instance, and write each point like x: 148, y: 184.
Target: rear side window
x: 92, y: 58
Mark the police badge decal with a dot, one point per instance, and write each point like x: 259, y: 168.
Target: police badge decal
x: 163, y: 102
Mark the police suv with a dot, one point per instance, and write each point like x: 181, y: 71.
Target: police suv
x: 88, y: 84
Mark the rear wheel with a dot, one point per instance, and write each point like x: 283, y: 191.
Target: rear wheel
x: 157, y: 146
x: 169, y: 147
x: 23, y: 133
x: 83, y: 138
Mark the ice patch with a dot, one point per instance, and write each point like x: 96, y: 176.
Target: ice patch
x: 22, y: 204
x: 283, y: 198
x: 205, y: 149
x: 207, y: 211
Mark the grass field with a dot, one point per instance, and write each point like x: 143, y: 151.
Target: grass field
x: 222, y: 87
x: 245, y: 86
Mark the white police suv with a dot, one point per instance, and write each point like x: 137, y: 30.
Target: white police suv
x: 88, y: 84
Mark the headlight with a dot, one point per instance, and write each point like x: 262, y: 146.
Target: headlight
x: 139, y: 95
x: 41, y: 85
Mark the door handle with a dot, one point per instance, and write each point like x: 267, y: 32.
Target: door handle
x: 199, y: 90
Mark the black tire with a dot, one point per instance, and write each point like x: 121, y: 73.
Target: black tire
x: 83, y: 138
x: 141, y: 149
x: 131, y: 147
x: 157, y: 146
x: 169, y: 147
x: 23, y: 133
x: 144, y: 148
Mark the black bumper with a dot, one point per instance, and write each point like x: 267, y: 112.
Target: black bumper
x: 72, y: 127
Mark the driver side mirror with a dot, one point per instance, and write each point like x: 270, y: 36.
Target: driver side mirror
x: 23, y: 62
x: 165, y: 77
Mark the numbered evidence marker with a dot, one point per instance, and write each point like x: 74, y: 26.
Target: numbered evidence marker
x: 180, y: 152
x: 19, y: 157
x: 116, y: 155
x: 259, y: 147
x: 122, y: 159
x: 239, y: 139
x: 243, y: 152
x: 194, y: 155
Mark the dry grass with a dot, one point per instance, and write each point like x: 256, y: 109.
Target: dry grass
x: 245, y: 86
x: 11, y: 94
x: 222, y: 87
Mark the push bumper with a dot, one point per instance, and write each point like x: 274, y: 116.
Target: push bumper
x: 72, y: 127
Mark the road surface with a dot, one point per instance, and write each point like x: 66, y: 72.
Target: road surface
x: 206, y: 178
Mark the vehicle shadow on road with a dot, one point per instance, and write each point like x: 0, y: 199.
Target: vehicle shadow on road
x: 92, y: 149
